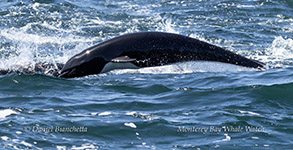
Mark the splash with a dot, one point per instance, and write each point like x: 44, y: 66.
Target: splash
x: 27, y: 55
x: 166, y: 25
x: 279, y: 54
x: 37, y: 34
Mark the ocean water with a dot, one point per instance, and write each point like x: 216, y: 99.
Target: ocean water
x: 182, y: 106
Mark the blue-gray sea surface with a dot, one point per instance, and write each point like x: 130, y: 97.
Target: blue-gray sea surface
x: 178, y: 106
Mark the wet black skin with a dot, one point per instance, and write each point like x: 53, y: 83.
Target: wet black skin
x: 150, y: 49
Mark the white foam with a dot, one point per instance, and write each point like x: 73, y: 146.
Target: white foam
x: 78, y: 115
x: 61, y: 147
x: 246, y: 6
x: 106, y: 113
x: 26, y: 144
x: 18, y: 132
x: 17, y: 36
x: 5, y: 138
x: 94, y: 113
x: 130, y: 124
x: 85, y: 146
x: 130, y: 113
x: 6, y: 112
x: 227, y: 138
x: 249, y: 112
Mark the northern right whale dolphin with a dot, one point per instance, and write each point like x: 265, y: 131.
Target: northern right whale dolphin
x: 146, y: 49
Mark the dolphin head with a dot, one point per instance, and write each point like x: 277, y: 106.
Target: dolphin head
x: 76, y: 68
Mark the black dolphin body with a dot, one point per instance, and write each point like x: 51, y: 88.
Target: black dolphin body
x: 146, y: 49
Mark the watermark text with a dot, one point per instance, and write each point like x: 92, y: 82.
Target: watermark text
x: 220, y: 129
x: 55, y: 129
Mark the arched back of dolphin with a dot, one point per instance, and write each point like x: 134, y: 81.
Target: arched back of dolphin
x: 146, y: 49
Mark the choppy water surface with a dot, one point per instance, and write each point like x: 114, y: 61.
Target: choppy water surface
x: 181, y: 106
